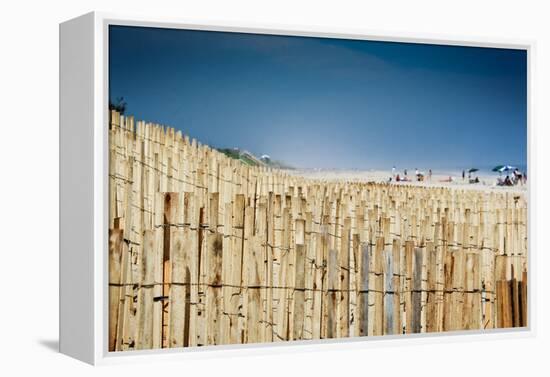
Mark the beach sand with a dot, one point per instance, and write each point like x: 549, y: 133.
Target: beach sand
x: 487, y: 181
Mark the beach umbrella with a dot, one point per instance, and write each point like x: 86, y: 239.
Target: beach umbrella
x: 503, y: 168
x: 473, y: 170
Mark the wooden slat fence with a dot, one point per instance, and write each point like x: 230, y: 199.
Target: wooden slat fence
x: 205, y: 250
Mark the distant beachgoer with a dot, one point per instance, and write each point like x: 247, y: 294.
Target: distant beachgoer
x: 430, y: 174
x: 398, y: 178
x: 518, y: 176
x: 507, y: 181
x: 393, y: 172
x: 405, y: 173
x: 522, y: 178
x: 463, y: 174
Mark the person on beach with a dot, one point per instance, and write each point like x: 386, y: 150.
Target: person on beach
x: 393, y: 172
x: 463, y: 174
x: 518, y: 178
x: 430, y: 175
x: 405, y: 173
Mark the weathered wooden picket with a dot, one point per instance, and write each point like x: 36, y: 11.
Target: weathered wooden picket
x: 205, y: 250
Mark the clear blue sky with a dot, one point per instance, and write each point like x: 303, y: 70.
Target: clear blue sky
x: 315, y: 102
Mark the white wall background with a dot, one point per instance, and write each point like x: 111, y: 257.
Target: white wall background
x: 29, y: 183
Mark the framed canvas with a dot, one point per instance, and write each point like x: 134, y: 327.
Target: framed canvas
x: 248, y: 189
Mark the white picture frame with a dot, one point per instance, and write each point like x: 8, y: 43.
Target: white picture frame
x: 83, y: 190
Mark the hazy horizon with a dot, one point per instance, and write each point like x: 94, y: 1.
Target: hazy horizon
x: 328, y: 103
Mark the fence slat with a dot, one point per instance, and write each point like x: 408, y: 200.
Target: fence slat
x: 363, y: 301
x: 332, y: 292
x: 145, y: 318
x: 214, y: 304
x: 378, y: 328
x: 115, y: 281
x: 416, y: 324
x: 344, y: 272
x: 388, y: 293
